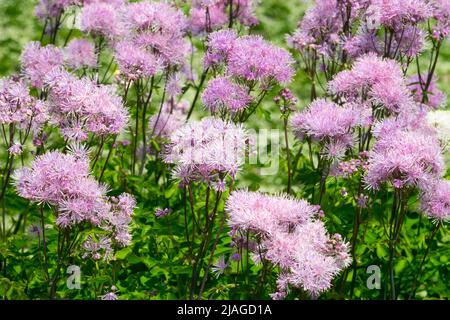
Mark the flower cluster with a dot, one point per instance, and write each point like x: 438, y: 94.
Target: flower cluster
x: 223, y: 93
x: 254, y: 59
x: 322, y: 24
x: 291, y: 237
x: 249, y: 58
x: 135, y: 62
x: 375, y: 81
x: 329, y: 124
x: 63, y: 182
x: 407, y: 154
x: 80, y: 106
x: 208, y: 150
x: 102, y: 19
x: 80, y: 53
x: 441, y: 13
x: 18, y: 107
x: 435, y: 200
x: 38, y: 61
x: 159, y: 28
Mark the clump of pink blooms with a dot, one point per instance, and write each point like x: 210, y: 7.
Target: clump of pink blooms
x: 441, y: 13
x: 376, y: 82
x: 205, y: 16
x: 18, y: 107
x: 254, y: 59
x: 435, y: 200
x: 80, y: 106
x: 209, y: 151
x: 101, y: 19
x: 223, y: 94
x: 79, y: 54
x: 63, y: 182
x: 328, y: 124
x: 38, y: 61
x: 159, y: 28
x: 406, y: 154
x: 135, y: 62
x: 249, y: 58
x: 321, y: 25
x: 290, y: 235
x: 245, y: 69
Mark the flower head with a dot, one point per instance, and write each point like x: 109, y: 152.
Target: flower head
x: 38, y: 61
x: 136, y: 62
x: 222, y: 93
x: 80, y: 53
x: 435, y: 200
x: 101, y: 19
x: 254, y: 59
x: 206, y: 149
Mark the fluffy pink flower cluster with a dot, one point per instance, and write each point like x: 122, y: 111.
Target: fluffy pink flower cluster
x: 63, y: 182
x: 223, y: 94
x: 329, y: 124
x: 249, y: 58
x: 102, y: 19
x: 376, y: 81
x: 158, y: 27
x: 320, y: 23
x: 136, y: 62
x: 406, y: 153
x: 38, y: 61
x: 435, y: 200
x: 207, y: 15
x: 254, y: 59
x: 80, y: 106
x: 291, y: 237
x: 18, y: 107
x: 208, y: 151
x: 397, y: 13
x: 80, y: 53
x: 441, y: 12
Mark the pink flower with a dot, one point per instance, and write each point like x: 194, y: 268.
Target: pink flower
x: 80, y: 53
x: 101, y: 19
x: 329, y: 124
x: 380, y: 79
x: 435, y: 200
x: 222, y: 94
x: 291, y: 237
x: 72, y: 99
x: 254, y: 59
x: 135, y: 62
x: 409, y: 155
x: 204, y: 150
x: 39, y: 61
